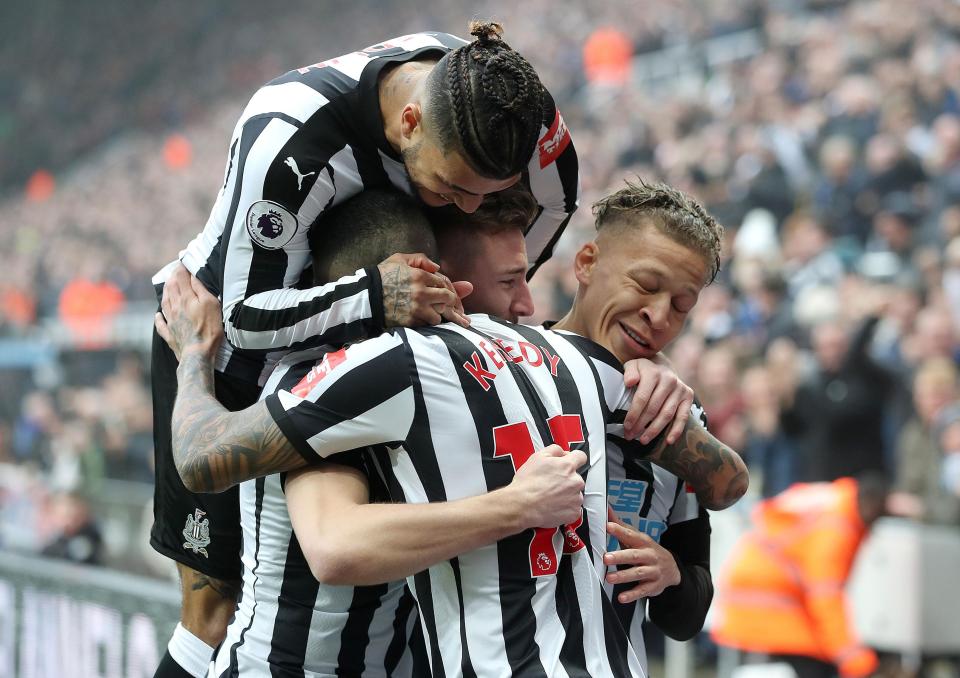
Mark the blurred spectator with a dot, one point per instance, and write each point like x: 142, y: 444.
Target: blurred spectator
x: 607, y: 55
x: 920, y: 458
x: 947, y: 431
x: 835, y: 196
x: 934, y: 335
x: 809, y: 260
x: 837, y: 413
x: 88, y: 303
x: 719, y: 392
x: 76, y: 536
x: 38, y: 422
x: 768, y: 451
x: 893, y: 229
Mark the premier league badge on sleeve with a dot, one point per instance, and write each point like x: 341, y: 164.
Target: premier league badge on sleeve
x: 197, y: 533
x: 270, y: 225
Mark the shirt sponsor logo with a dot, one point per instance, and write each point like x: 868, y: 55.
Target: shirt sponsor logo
x: 626, y: 499
x: 270, y: 225
x: 554, y: 142
x: 318, y: 372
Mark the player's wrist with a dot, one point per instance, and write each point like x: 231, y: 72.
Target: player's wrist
x: 512, y: 507
x: 200, y: 352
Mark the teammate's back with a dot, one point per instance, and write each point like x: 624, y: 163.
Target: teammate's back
x: 460, y: 410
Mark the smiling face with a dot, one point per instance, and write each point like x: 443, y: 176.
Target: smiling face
x: 637, y: 286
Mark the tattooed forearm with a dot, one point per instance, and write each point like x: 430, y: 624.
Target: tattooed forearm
x: 716, y: 472
x: 215, y: 449
x: 396, y: 294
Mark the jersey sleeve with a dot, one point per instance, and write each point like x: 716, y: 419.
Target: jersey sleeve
x: 554, y: 177
x: 679, y: 611
x: 348, y: 309
x: 255, y: 245
x: 352, y: 398
x: 634, y: 448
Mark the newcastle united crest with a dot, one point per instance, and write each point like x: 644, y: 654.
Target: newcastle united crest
x: 197, y: 533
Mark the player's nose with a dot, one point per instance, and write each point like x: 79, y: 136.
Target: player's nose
x: 469, y: 203
x: 522, y: 305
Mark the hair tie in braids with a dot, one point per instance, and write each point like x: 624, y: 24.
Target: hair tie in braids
x: 486, y: 31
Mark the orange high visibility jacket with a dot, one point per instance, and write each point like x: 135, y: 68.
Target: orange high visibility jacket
x: 782, y: 591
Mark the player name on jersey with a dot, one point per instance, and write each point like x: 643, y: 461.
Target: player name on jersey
x: 500, y: 351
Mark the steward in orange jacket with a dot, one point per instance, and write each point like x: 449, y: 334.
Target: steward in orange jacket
x: 782, y: 591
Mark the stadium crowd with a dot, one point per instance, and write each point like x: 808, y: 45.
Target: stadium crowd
x: 829, y: 345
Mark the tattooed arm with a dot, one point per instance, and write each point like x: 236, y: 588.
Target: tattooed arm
x: 416, y: 293
x: 715, y: 471
x: 215, y: 449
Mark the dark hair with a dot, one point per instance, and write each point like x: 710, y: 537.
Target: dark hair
x: 676, y: 214
x: 486, y: 101
x: 514, y: 207
x: 366, y: 229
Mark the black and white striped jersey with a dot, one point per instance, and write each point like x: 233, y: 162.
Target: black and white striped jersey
x: 306, y: 141
x: 287, y: 623
x: 651, y: 500
x: 458, y: 410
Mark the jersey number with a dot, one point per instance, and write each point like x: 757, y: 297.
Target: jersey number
x: 516, y: 442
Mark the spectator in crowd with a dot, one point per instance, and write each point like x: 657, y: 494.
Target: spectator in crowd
x: 769, y: 453
x: 809, y: 259
x: 836, y: 415
x: 948, y: 436
x: 88, y: 303
x: 719, y: 392
x: 76, y: 536
x: 836, y: 193
x: 920, y: 457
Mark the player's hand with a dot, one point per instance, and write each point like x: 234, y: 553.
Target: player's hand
x: 548, y: 487
x: 416, y: 293
x: 652, y: 566
x: 660, y: 400
x: 192, y: 317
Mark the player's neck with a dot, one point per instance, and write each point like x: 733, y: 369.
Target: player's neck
x: 571, y: 322
x: 398, y: 87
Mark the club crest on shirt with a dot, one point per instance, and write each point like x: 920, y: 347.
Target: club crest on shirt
x: 197, y: 533
x: 270, y: 226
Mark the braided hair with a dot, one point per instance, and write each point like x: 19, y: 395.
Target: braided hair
x: 486, y: 101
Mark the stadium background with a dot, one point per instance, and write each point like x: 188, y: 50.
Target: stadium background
x: 825, y: 135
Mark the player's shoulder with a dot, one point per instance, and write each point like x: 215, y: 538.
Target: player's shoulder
x: 599, y: 355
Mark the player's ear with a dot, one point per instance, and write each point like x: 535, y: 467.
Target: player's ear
x: 410, y: 122
x: 585, y: 261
